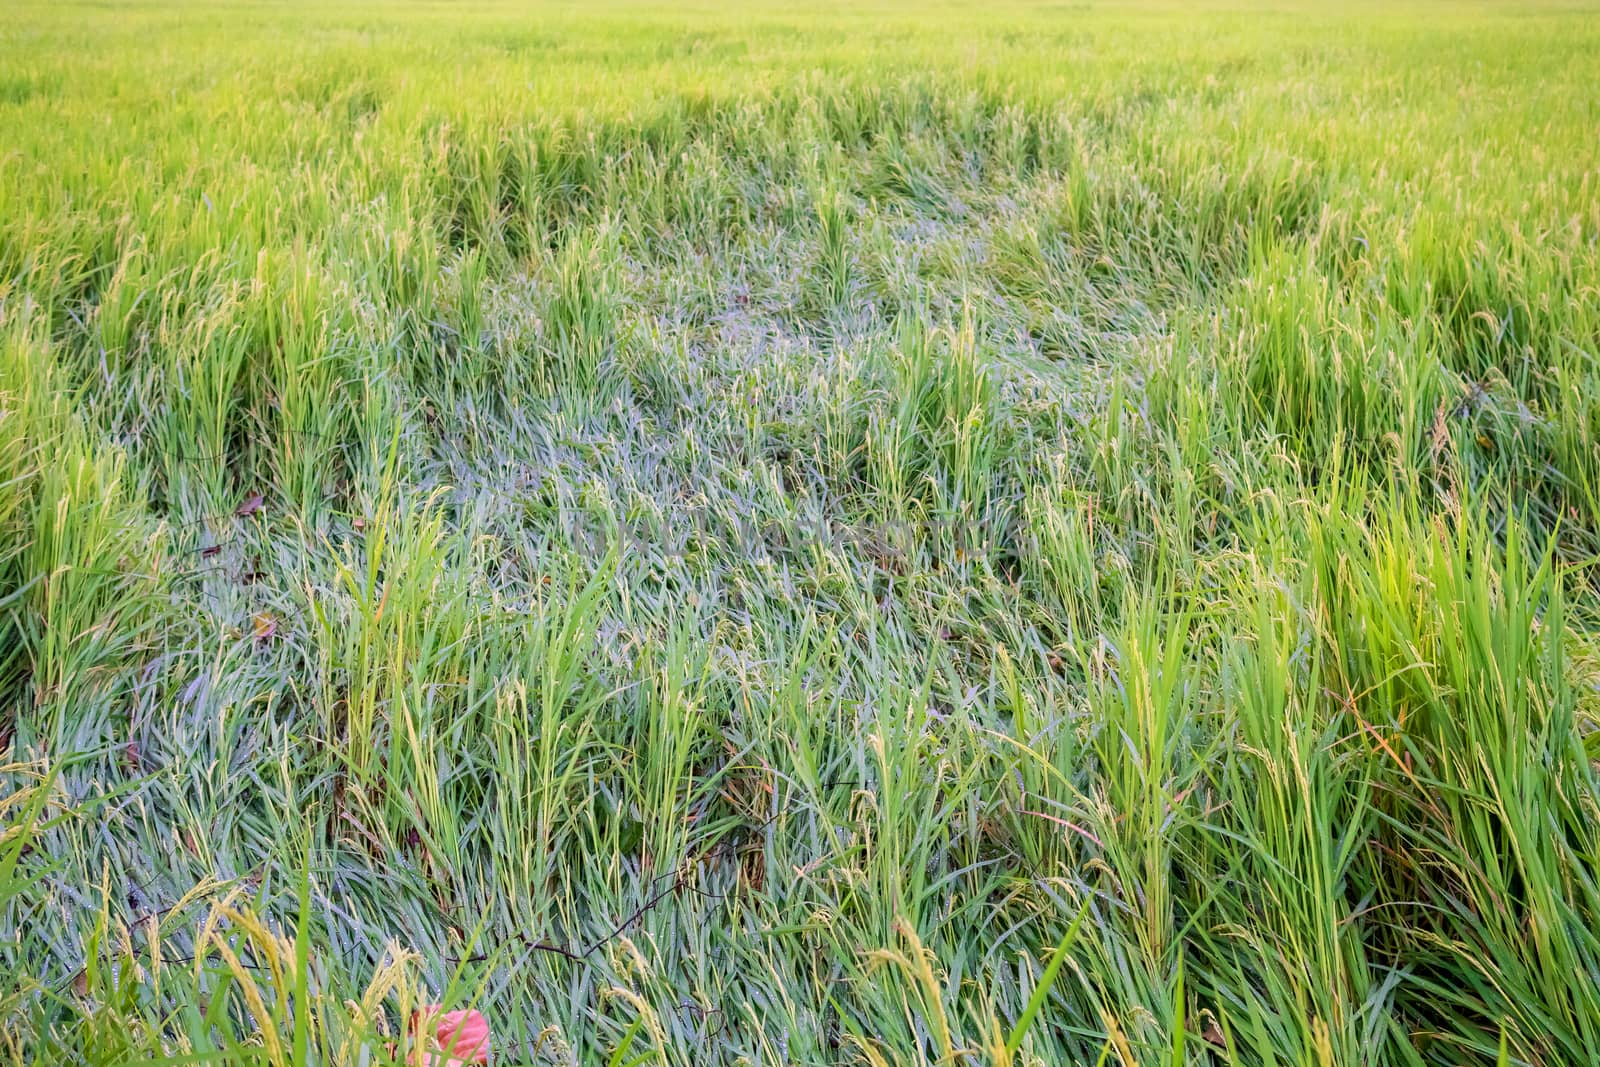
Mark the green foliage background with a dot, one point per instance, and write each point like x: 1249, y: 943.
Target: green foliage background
x: 889, y: 533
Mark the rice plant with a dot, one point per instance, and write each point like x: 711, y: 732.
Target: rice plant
x: 1020, y: 534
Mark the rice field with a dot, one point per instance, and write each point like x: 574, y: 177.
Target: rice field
x: 1046, y: 533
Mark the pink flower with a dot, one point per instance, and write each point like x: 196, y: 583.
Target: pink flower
x: 457, y: 1038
